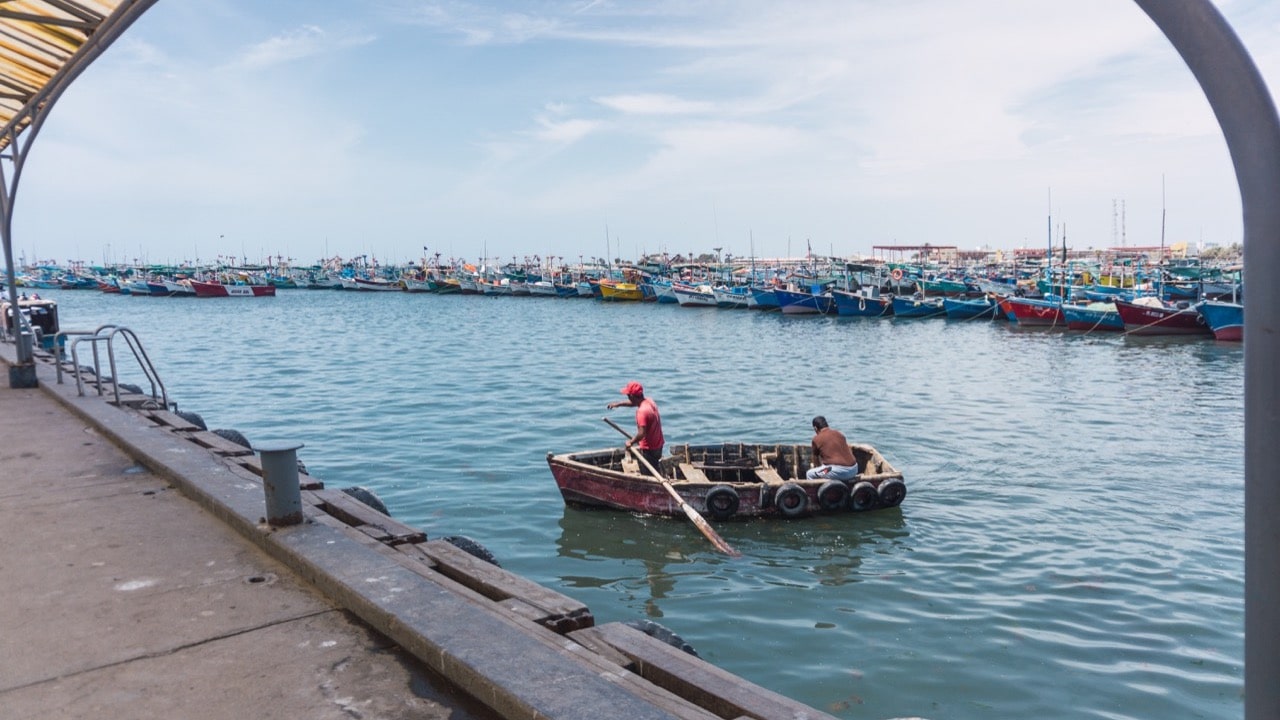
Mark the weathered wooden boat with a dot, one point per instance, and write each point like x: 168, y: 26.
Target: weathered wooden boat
x: 1152, y: 316
x: 727, y: 480
x: 1226, y: 319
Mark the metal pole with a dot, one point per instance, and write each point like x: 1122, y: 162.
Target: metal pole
x: 1247, y: 114
x: 280, y: 482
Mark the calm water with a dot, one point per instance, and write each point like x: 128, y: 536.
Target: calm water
x: 1071, y: 544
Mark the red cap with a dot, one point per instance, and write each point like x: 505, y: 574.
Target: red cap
x: 633, y: 388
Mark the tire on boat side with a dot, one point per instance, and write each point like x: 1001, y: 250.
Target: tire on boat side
x: 193, y: 418
x: 863, y: 497
x: 234, y: 436
x: 472, y: 548
x: 833, y: 495
x: 791, y: 500
x: 659, y: 632
x: 722, y: 502
x: 892, y: 492
x: 368, y: 497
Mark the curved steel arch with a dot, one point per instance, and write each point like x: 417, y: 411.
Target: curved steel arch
x: 1247, y: 114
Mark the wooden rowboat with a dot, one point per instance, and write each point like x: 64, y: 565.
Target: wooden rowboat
x: 727, y: 480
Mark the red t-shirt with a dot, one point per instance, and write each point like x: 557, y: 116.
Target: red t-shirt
x: 647, y: 417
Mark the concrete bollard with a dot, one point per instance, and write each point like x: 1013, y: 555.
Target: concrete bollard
x: 280, y: 482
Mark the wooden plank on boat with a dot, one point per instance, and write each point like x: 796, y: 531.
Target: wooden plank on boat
x: 697, y: 680
x: 556, y: 611
x: 769, y: 475
x: 693, y: 474
x: 366, y: 519
x: 219, y: 444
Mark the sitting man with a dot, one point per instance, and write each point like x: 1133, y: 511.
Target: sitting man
x: 832, y: 458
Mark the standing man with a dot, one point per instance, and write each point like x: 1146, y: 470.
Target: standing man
x: 832, y: 458
x: 648, y: 437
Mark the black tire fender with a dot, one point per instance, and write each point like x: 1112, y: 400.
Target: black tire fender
x: 658, y: 632
x: 892, y: 492
x: 791, y: 500
x: 471, y: 547
x: 721, y: 502
x: 234, y: 436
x: 833, y: 495
x: 368, y: 497
x: 193, y: 418
x: 863, y: 497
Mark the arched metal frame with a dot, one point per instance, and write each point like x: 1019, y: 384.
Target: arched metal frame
x: 1247, y: 115
x: 16, y: 137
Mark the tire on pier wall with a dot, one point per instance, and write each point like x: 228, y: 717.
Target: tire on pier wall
x: 472, y: 548
x: 659, y: 632
x: 193, y: 418
x: 368, y: 497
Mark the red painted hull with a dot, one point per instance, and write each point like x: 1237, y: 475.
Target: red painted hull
x: 1035, y: 314
x: 204, y: 289
x: 1147, y: 320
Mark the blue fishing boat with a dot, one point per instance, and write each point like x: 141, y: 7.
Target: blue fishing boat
x: 1100, y: 316
x: 762, y: 298
x: 1225, y: 319
x: 911, y: 306
x: 971, y: 308
x: 799, y: 302
x: 865, y: 302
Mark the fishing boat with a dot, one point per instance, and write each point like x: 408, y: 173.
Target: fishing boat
x: 918, y: 307
x: 762, y: 298
x: 1034, y: 312
x: 1225, y: 319
x: 1152, y: 316
x: 1094, y: 316
x: 694, y: 295
x: 620, y: 291
x: 866, y: 301
x: 795, y: 301
x: 210, y: 289
x: 731, y: 297
x: 728, y: 480
x: 971, y: 308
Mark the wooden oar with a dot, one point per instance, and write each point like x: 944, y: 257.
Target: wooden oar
x: 699, y: 521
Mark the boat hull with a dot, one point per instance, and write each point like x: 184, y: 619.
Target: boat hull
x: 1152, y: 320
x: 204, y: 289
x: 1225, y: 319
x: 755, y: 474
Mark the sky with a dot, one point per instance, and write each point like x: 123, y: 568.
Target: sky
x: 599, y: 128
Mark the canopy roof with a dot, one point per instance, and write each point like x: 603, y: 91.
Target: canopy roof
x: 44, y: 44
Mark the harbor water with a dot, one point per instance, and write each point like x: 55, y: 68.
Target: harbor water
x: 1071, y: 544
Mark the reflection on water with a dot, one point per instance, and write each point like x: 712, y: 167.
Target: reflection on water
x: 1053, y: 550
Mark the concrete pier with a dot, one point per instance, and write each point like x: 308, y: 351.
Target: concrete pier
x: 141, y: 579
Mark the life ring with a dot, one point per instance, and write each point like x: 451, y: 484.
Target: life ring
x: 896, y: 274
x: 791, y: 500
x: 721, y: 502
x: 863, y: 497
x: 892, y: 492
x: 833, y: 495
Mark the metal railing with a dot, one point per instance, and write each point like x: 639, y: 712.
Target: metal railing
x: 106, y: 335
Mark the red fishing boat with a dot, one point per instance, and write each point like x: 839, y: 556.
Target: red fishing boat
x: 211, y: 289
x: 1034, y: 312
x: 1152, y: 316
x: 725, y: 481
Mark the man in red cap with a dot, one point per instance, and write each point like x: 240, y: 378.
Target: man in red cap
x: 648, y: 437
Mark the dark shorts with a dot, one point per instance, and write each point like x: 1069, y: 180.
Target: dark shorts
x: 653, y: 456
